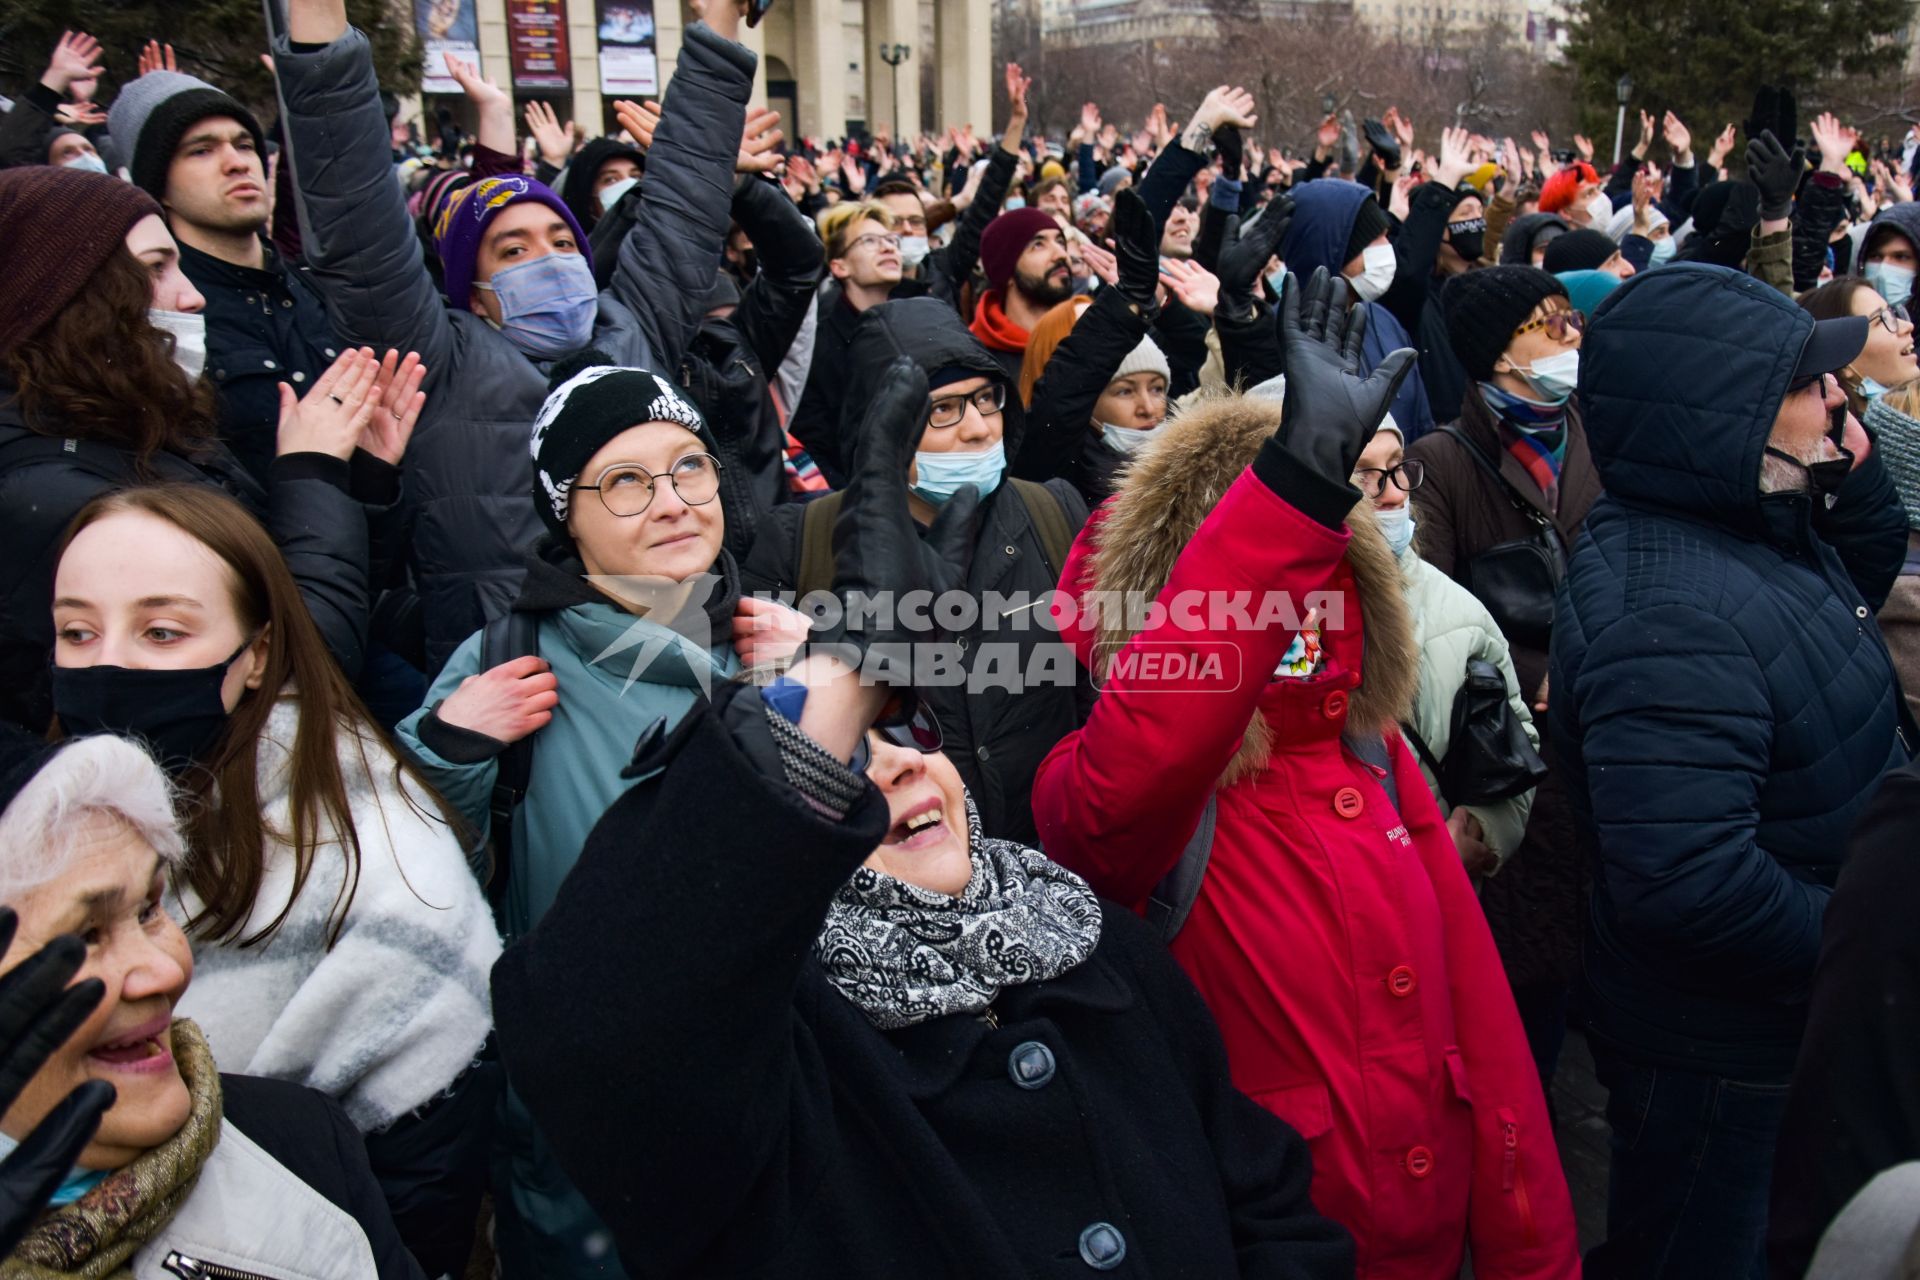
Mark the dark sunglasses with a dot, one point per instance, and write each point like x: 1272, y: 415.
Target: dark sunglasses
x: 920, y: 732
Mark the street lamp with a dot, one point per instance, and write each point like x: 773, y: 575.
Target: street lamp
x: 893, y: 55
x: 1622, y: 92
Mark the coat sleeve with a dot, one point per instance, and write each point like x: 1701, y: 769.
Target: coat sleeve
x: 1770, y: 260
x: 775, y: 302
x: 1416, y: 251
x: 468, y: 787
x: 322, y: 532
x: 690, y: 954
x: 963, y: 251
x: 1058, y: 420
x: 1501, y: 211
x: 24, y: 130
x: 667, y: 262
x: 1675, y: 765
x: 1167, y: 178
x: 1867, y: 527
x: 1519, y: 1213
x: 1821, y: 206
x: 1433, y: 501
x: 1117, y: 799
x: 358, y: 239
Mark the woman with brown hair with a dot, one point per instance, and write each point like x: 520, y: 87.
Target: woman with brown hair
x: 101, y: 350
x: 1888, y: 360
x: 340, y: 939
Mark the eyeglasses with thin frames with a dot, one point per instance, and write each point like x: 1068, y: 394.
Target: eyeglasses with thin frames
x: 886, y: 241
x: 627, y: 488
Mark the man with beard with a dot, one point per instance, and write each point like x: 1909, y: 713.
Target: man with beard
x: 200, y: 154
x: 1024, y: 253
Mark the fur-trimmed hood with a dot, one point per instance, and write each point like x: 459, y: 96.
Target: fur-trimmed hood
x: 1164, y: 495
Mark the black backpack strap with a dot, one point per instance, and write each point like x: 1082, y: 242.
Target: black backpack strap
x: 1173, y: 898
x: 1492, y: 468
x: 1049, y: 521
x: 509, y: 636
x: 1420, y: 747
x: 815, y: 570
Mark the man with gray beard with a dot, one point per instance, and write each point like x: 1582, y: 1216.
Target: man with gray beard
x: 1725, y: 706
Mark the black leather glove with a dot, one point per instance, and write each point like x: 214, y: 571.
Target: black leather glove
x: 1384, y: 144
x: 1233, y: 150
x: 38, y: 1011
x: 1331, y: 411
x: 1776, y: 173
x: 1244, y: 257
x: 1136, y: 243
x: 876, y: 546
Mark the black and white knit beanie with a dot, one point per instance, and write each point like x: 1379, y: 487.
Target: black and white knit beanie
x: 593, y: 400
x: 150, y: 115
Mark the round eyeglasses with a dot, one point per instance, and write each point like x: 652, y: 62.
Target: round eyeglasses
x: 627, y: 488
x: 1406, y: 478
x: 948, y: 410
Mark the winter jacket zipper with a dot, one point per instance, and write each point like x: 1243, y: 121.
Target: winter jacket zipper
x: 1513, y: 1179
x: 195, y: 1269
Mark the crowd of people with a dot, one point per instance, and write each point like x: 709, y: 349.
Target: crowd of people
x: 1251, y: 648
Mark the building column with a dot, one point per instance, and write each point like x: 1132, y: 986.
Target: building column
x: 495, y: 64
x: 963, y: 49
x: 821, y: 76
x: 893, y: 22
x: 583, y: 53
x: 755, y: 38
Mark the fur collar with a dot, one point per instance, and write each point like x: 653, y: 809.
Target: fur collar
x: 1164, y: 495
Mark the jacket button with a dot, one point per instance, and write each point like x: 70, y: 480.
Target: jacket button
x: 1347, y: 803
x: 1419, y: 1162
x: 270, y: 364
x: 1335, y: 705
x: 299, y: 376
x: 1102, y: 1247
x: 982, y: 755
x: 1030, y: 1065
x: 1860, y: 612
x: 1013, y: 551
x: 1402, y: 981
x: 286, y: 302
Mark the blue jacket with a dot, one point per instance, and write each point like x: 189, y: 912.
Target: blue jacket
x: 1721, y: 696
x: 1323, y: 215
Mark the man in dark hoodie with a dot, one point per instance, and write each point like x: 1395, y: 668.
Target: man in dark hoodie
x: 602, y: 171
x: 1725, y: 708
x: 998, y: 723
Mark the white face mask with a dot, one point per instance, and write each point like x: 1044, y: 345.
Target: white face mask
x: 914, y: 250
x: 1397, y: 524
x: 1129, y: 439
x: 85, y: 160
x: 1377, y: 267
x: 1555, y: 376
x: 610, y: 196
x: 1663, y: 251
x: 1600, y: 209
x: 189, y: 330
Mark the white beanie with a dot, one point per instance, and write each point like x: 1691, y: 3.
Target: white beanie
x: 1622, y: 222
x: 1145, y: 358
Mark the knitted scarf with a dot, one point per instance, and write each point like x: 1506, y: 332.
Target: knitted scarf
x: 97, y: 1235
x: 907, y: 955
x: 1534, y: 433
x: 992, y: 326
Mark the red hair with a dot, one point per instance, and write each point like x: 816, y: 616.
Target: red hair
x: 1559, y: 190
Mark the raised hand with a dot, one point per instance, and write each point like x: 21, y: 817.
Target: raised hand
x: 853, y: 176
x: 80, y: 114
x: 1244, y: 255
x: 801, y: 174
x: 1158, y: 132
x: 1102, y: 262
x: 75, y: 60
x: 1542, y: 144
x: 1455, y: 161
x: 1776, y: 172
x: 1401, y: 126
x: 554, y: 139
x: 1646, y: 136
x: 1136, y: 243
x: 1679, y: 139
x: 1510, y: 162
x: 1197, y: 288
x: 480, y: 90
x: 507, y: 702
x: 639, y: 119
x: 766, y: 631
x: 1400, y: 203
x: 1331, y: 409
x: 1721, y: 146
x: 157, y: 57
x: 397, y: 402
x: 1227, y: 104
x: 1645, y: 188
x: 333, y: 416
x: 1326, y: 138
x: 1584, y: 145
x: 1090, y: 125
x: 760, y: 142
x: 1017, y: 86
x: 1835, y: 140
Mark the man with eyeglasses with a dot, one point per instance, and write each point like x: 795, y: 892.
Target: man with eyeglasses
x: 1724, y: 709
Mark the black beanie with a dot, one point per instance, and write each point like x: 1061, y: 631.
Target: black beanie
x: 1582, y: 250
x: 1484, y: 307
x: 592, y: 400
x: 1369, y: 224
x: 21, y: 756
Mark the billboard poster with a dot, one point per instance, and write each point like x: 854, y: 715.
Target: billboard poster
x: 629, y: 62
x: 446, y: 26
x: 537, y: 44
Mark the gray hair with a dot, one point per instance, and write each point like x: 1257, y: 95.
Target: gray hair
x: 94, y: 775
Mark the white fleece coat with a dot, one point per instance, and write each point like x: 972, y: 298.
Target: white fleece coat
x: 397, y: 1009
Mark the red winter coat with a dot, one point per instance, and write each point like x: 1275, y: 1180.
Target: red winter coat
x: 1337, y: 942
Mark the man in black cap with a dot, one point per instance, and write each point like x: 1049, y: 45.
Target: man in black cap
x: 1725, y: 708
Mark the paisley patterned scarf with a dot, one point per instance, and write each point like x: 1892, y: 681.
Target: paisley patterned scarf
x: 907, y: 955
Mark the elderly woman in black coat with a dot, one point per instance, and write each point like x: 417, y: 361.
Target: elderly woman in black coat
x: 793, y: 1013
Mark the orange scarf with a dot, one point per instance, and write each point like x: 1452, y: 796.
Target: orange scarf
x: 992, y: 327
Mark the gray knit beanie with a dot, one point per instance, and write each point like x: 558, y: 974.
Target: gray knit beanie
x: 151, y: 114
x: 1896, y: 438
x: 1145, y: 358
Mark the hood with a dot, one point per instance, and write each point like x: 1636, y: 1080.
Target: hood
x: 1516, y: 246
x: 1323, y: 214
x: 1681, y: 374
x: 1164, y: 496
x: 577, y: 190
x: 1903, y: 219
x: 929, y: 331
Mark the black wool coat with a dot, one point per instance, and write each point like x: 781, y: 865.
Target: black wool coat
x: 729, y: 1113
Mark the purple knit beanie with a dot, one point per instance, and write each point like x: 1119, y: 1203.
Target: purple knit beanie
x: 465, y: 216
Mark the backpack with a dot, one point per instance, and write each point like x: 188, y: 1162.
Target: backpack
x: 816, y: 534
x: 511, y: 635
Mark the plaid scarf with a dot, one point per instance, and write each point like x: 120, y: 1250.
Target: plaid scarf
x: 1535, y: 434
x: 97, y: 1235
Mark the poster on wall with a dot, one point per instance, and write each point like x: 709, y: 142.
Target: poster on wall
x: 629, y: 62
x: 446, y: 26
x: 537, y: 44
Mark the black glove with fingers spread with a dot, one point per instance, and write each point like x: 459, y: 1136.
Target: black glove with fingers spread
x: 1776, y: 173
x: 1244, y: 254
x: 1331, y: 409
x: 38, y: 1012
x: 1136, y: 243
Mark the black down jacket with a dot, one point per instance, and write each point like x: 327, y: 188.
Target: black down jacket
x: 1721, y: 696
x: 730, y: 1113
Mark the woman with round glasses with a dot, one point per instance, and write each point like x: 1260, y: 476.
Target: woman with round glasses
x: 1450, y: 629
x: 1888, y: 359
x: 1513, y: 473
x: 631, y: 599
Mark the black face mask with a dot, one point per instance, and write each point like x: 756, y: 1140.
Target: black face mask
x: 1823, y: 478
x: 1468, y: 238
x: 178, y: 714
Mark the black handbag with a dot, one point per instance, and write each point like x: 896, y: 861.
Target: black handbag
x: 1489, y: 758
x: 1516, y: 580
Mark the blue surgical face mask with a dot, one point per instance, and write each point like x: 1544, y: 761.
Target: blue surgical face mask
x: 85, y: 160
x: 1663, y: 251
x: 1895, y: 284
x: 1397, y: 524
x: 547, y: 305
x: 1870, y: 389
x: 941, y: 475
x: 1015, y: 202
x: 1129, y: 440
x: 1554, y: 377
x: 610, y: 196
x: 1277, y: 281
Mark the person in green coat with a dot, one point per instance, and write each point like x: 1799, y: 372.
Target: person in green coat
x: 636, y: 604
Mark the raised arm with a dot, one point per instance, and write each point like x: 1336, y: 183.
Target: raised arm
x: 774, y: 304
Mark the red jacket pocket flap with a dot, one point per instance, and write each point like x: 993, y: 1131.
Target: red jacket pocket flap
x: 1303, y: 1106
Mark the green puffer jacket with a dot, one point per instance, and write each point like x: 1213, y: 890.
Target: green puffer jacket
x: 1449, y: 627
